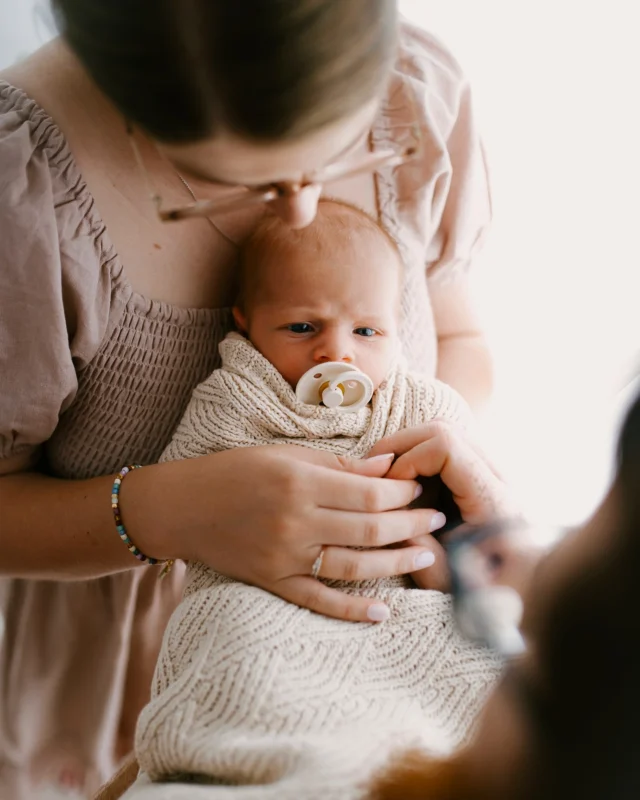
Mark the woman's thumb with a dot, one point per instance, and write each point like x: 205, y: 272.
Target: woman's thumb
x: 375, y: 467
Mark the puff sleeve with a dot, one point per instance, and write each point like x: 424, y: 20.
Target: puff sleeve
x: 54, y: 278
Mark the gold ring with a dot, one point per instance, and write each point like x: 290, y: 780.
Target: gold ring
x: 317, y: 564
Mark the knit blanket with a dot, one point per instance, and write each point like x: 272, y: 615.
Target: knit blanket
x: 254, y: 697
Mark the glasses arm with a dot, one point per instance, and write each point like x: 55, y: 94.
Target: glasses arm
x: 244, y: 198
x: 387, y: 159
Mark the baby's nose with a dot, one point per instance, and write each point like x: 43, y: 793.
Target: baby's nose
x: 333, y: 348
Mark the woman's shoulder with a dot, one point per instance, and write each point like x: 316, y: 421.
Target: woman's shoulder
x: 56, y: 272
x: 31, y: 147
x: 42, y: 194
x: 21, y: 119
x: 428, y: 54
x: 48, y: 219
x: 37, y: 169
x: 439, y: 203
x: 433, y: 74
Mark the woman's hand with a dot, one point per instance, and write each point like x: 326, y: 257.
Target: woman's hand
x: 263, y: 514
x: 446, y: 450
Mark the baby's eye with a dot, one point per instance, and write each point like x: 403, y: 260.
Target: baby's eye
x: 365, y: 332
x: 300, y: 327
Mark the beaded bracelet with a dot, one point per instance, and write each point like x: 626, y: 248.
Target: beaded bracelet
x: 122, y: 533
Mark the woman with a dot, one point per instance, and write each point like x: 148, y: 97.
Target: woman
x: 109, y: 317
x: 564, y: 721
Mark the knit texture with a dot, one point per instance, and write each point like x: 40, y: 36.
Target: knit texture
x: 248, y: 403
x: 253, y: 692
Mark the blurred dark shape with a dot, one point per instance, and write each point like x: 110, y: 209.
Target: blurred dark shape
x: 436, y: 495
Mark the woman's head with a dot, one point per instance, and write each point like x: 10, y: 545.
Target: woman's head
x: 265, y: 70
x: 262, y: 80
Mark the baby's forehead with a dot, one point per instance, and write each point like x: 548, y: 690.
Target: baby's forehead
x: 337, y: 228
x: 340, y: 243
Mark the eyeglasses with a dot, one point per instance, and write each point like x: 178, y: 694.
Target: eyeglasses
x: 242, y: 197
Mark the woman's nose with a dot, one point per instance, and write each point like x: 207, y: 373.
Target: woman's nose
x: 298, y: 207
x: 333, y: 347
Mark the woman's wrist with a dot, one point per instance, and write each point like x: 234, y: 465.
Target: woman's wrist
x: 148, y: 503
x: 62, y: 529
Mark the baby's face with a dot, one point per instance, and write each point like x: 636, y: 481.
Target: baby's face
x: 316, y: 303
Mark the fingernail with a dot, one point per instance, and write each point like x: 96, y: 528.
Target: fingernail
x: 425, y: 559
x: 378, y: 612
x: 437, y: 521
x: 385, y: 457
x: 418, y: 491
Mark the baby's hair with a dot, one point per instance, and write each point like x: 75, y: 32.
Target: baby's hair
x: 272, y: 235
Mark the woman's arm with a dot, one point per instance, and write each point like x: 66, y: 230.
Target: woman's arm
x: 260, y: 515
x: 55, y: 529
x: 464, y: 360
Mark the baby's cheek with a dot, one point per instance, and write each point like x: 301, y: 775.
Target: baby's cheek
x: 288, y: 360
x: 379, y: 361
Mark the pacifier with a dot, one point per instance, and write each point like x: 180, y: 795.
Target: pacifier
x: 335, y: 385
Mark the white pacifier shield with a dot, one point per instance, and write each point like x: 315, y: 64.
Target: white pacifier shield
x: 337, y: 385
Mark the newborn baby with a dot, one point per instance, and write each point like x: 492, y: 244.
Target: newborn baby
x: 251, y: 691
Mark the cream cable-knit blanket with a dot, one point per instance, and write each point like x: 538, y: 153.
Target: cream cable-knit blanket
x: 262, y: 699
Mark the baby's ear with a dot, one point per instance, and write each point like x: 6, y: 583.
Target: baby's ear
x: 240, y: 319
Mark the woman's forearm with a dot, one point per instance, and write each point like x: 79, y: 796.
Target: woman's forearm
x: 464, y: 362
x: 61, y: 529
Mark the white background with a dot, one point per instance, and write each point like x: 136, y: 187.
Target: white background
x: 556, y: 91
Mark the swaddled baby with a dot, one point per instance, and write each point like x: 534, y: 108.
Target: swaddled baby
x: 251, y: 691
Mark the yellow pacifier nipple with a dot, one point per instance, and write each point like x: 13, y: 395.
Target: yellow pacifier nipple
x: 331, y: 397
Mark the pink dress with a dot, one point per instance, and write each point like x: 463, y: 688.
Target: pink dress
x: 99, y: 376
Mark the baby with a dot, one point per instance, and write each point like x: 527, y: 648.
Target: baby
x: 251, y: 690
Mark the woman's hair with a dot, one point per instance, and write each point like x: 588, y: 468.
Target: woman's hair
x: 265, y: 69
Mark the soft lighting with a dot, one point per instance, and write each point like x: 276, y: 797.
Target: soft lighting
x: 555, y: 86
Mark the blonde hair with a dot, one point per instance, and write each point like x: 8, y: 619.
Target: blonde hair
x: 272, y: 236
